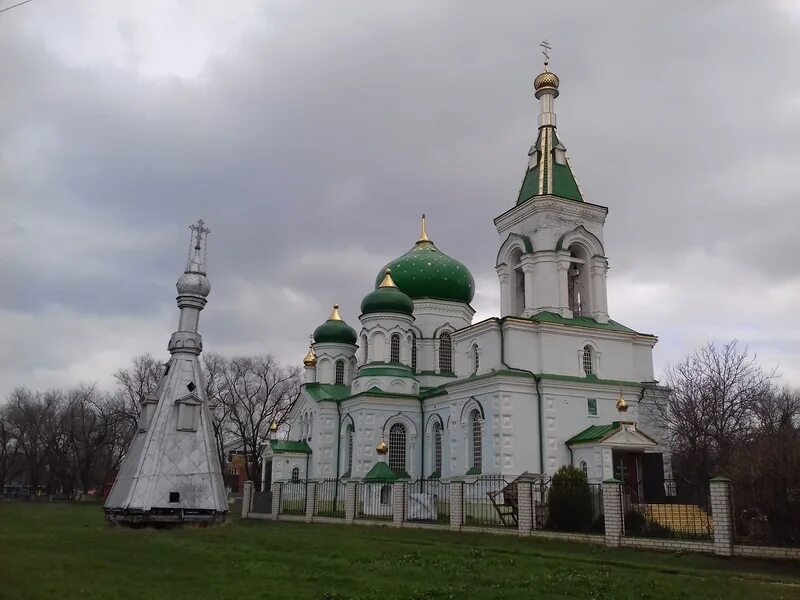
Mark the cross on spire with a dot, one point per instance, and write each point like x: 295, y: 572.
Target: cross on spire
x: 545, y: 45
x: 200, y: 230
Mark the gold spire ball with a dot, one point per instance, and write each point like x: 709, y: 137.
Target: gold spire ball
x: 622, y: 406
x: 382, y: 447
x: 546, y: 81
x: 310, y: 359
x: 335, y: 316
x: 387, y: 280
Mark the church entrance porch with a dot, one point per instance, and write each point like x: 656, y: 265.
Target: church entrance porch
x: 641, y: 474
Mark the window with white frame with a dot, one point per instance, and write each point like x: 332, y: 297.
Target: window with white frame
x: 591, y: 407
x: 413, y: 351
x: 588, y: 360
x: 386, y: 494
x: 585, y: 469
x: 339, y: 373
x: 394, y: 348
x: 397, y: 448
x: 475, y: 435
x: 437, y: 448
x: 445, y: 353
x: 476, y: 359
x: 348, y: 444
x: 296, y: 474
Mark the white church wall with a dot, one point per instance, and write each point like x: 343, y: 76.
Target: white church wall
x: 486, y: 337
x: 284, y: 463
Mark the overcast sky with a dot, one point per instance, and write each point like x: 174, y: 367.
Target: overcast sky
x: 311, y: 135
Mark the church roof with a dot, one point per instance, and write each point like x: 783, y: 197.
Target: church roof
x: 335, y: 330
x: 380, y: 471
x: 327, y: 392
x: 547, y: 177
x: 551, y: 317
x: 282, y: 446
x: 599, y: 433
x: 387, y: 299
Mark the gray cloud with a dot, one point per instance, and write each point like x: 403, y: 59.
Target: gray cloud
x: 312, y: 142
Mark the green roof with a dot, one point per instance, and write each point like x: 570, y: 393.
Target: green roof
x: 281, y: 446
x: 327, y: 392
x: 551, y: 317
x: 387, y: 299
x: 335, y: 331
x: 557, y: 180
x: 595, y: 433
x: 387, y: 369
x: 380, y: 471
x: 427, y: 272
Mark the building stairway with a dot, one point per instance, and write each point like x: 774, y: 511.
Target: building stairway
x: 683, y: 518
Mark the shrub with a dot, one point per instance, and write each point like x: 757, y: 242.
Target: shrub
x: 569, y: 503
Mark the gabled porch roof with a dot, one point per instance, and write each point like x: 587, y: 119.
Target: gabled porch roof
x: 618, y: 434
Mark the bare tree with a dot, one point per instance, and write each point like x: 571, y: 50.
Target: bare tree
x: 712, y: 407
x: 214, y: 366
x: 89, y: 432
x: 254, y: 393
x: 9, y: 450
x: 133, y: 384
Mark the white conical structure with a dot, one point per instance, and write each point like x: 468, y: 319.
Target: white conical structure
x: 171, y: 472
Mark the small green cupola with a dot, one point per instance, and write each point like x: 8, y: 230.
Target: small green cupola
x: 549, y: 172
x: 427, y: 272
x: 335, y: 330
x: 387, y: 298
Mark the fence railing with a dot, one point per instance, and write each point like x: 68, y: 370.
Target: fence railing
x: 427, y: 501
x: 374, y: 500
x: 293, y: 498
x: 262, y: 502
x: 766, y: 512
x: 330, y: 499
x: 490, y: 502
x: 686, y: 515
x: 568, y: 506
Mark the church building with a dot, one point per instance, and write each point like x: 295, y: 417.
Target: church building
x: 422, y: 391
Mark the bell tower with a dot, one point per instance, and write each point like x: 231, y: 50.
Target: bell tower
x: 552, y: 258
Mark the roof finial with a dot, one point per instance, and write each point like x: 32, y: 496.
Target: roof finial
x: 423, y: 236
x: 545, y: 48
x: 387, y: 280
x: 310, y: 359
x: 335, y: 316
x: 622, y: 405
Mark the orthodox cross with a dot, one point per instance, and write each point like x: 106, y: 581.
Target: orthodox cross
x: 200, y: 230
x: 545, y: 45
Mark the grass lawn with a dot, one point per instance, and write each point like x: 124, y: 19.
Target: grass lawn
x: 68, y: 551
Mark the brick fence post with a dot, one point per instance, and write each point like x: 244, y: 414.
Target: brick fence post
x: 349, y: 502
x: 612, y: 511
x: 722, y: 514
x: 456, y: 504
x: 398, y: 502
x: 247, y: 498
x: 311, y: 500
x: 524, y: 507
x: 276, y: 500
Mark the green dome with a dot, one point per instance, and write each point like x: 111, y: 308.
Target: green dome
x: 335, y: 330
x: 427, y: 272
x: 387, y: 298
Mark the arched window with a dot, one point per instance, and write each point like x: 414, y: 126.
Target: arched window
x: 386, y: 494
x: 413, y: 351
x: 475, y: 434
x: 394, y: 348
x: 339, y: 372
x: 310, y: 425
x: 437, y: 449
x: 397, y: 448
x: 348, y: 444
x: 585, y: 469
x: 588, y: 360
x: 445, y: 353
x: 365, y: 346
x: 296, y: 474
x: 476, y: 359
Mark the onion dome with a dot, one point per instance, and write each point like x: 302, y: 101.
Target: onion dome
x: 194, y: 280
x: 427, y: 272
x: 335, y: 330
x: 310, y: 359
x: 546, y: 81
x: 387, y: 298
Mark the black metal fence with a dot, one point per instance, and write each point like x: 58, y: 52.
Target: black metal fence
x: 330, y: 498
x: 490, y: 502
x: 293, y: 498
x: 766, y: 512
x: 568, y: 505
x: 428, y: 501
x: 374, y: 500
x: 262, y: 502
x: 684, y: 512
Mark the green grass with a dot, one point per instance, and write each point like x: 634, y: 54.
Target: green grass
x: 68, y: 551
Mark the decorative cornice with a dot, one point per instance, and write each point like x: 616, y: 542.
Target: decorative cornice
x: 541, y: 204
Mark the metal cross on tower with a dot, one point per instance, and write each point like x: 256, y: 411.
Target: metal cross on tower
x: 200, y: 230
x: 545, y: 45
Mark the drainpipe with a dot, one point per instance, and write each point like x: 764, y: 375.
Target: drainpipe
x: 421, y: 442
x: 537, y: 381
x: 338, y: 439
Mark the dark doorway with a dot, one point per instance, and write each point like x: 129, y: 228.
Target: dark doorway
x: 653, y: 476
